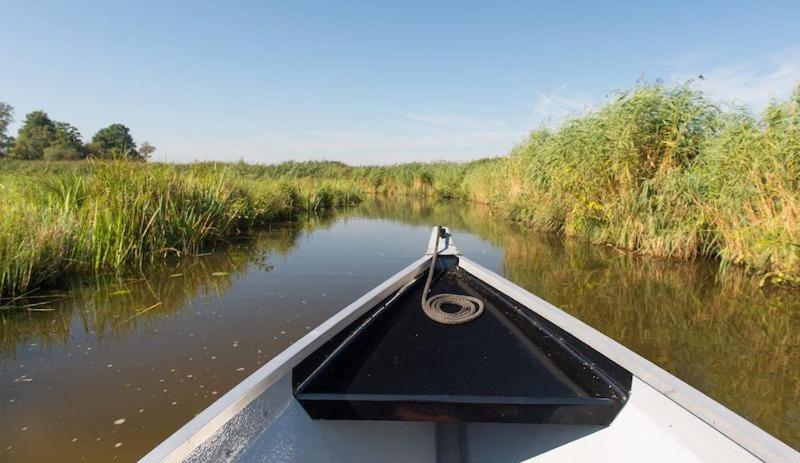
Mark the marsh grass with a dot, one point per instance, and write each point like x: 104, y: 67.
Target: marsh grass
x: 658, y: 171
x: 663, y: 172
x: 65, y: 220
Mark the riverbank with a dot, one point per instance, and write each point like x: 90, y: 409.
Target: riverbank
x: 71, y: 218
x: 657, y: 171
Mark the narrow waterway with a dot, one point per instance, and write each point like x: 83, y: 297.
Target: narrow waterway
x: 109, y: 369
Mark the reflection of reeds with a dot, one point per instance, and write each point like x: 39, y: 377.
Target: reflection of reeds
x: 725, y: 336
x: 111, y: 305
x: 730, y: 340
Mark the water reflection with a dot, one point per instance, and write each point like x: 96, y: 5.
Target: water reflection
x: 112, y: 306
x: 155, y: 348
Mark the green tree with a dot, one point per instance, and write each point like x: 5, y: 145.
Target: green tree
x: 38, y: 132
x: 6, y: 118
x: 113, y: 141
x: 68, y: 136
x: 67, y: 144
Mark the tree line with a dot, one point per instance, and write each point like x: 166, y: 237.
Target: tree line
x: 41, y: 137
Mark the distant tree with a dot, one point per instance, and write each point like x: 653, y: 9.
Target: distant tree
x: 40, y: 133
x: 146, y: 149
x: 113, y: 141
x: 6, y: 118
x: 68, y: 136
x: 37, y: 133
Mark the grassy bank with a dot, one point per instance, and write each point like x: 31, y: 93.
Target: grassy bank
x: 62, y: 219
x: 657, y: 170
x: 663, y: 172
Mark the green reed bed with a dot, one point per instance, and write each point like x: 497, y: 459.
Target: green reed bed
x: 662, y: 171
x: 657, y: 170
x: 64, y: 219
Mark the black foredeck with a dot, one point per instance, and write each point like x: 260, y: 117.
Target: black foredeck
x: 509, y: 365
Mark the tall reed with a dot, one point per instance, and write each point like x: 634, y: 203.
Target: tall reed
x: 657, y: 170
x: 124, y: 213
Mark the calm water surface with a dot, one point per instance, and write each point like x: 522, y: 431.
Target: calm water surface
x: 111, y: 368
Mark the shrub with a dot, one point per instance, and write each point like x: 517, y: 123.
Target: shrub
x: 61, y: 152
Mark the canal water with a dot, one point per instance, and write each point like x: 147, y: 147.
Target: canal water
x: 107, y: 370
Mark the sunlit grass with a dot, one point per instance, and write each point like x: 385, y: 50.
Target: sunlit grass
x: 663, y: 172
x: 64, y: 219
x: 658, y: 170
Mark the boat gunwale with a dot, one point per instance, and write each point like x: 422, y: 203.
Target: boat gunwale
x: 736, y: 428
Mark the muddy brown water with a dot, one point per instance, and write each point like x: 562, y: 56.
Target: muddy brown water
x: 107, y: 370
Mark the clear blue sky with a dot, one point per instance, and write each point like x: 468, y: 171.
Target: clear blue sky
x: 369, y: 82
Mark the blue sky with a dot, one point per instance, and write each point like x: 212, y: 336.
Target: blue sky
x: 372, y: 82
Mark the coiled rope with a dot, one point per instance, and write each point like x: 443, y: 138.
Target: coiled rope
x: 470, y: 307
